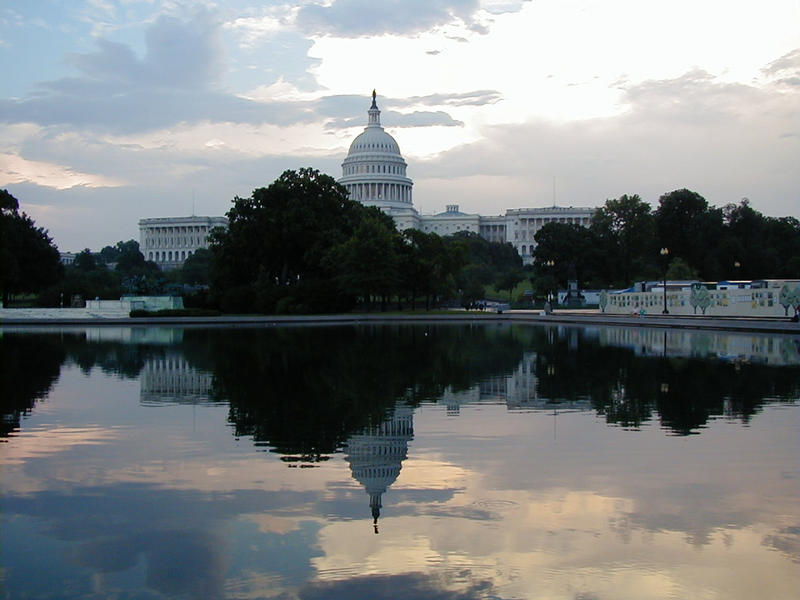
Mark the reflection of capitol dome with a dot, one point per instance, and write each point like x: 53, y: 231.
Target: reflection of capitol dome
x: 376, y: 455
x: 374, y: 171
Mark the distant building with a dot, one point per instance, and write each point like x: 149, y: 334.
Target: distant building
x: 67, y: 258
x: 374, y: 173
x: 168, y: 241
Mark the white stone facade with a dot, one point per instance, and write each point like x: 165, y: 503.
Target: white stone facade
x: 374, y: 173
x: 169, y: 241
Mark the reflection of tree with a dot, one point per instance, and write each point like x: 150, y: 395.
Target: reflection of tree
x: 31, y: 364
x: 305, y: 390
x: 628, y: 388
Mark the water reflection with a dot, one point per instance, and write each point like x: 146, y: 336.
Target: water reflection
x: 376, y: 455
x: 172, y: 379
x: 307, y: 389
x: 301, y: 442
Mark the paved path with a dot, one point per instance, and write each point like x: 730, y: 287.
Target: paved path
x: 16, y: 317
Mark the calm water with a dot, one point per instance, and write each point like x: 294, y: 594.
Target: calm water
x: 407, y: 462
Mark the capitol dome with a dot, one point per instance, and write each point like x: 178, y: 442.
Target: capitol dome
x: 374, y: 172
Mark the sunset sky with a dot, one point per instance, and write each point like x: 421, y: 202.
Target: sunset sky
x: 113, y: 111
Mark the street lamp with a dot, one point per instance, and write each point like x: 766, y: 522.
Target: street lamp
x: 665, y: 254
x: 549, y: 264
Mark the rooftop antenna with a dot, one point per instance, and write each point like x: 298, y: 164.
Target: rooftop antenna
x: 554, y: 191
x: 193, y: 202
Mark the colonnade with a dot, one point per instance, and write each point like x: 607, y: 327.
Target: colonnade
x: 380, y: 191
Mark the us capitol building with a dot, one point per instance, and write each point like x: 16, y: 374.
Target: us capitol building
x: 374, y: 173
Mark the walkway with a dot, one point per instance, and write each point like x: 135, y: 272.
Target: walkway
x: 15, y: 317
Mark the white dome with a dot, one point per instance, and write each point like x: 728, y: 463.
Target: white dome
x: 374, y: 139
x: 374, y: 171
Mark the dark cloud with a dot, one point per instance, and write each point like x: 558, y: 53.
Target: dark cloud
x: 417, y: 586
x: 355, y: 18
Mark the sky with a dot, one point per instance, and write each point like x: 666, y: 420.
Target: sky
x: 116, y: 110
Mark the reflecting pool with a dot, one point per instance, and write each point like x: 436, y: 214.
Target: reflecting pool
x: 399, y: 461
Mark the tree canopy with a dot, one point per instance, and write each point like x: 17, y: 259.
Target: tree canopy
x: 30, y: 260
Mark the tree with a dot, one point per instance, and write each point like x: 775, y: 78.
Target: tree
x: 679, y: 270
x: 85, y: 261
x: 110, y: 254
x: 624, y: 229
x: 366, y: 263
x: 196, y: 268
x: 508, y: 280
x: 690, y: 228
x: 563, y: 244
x: 280, y: 238
x: 30, y: 260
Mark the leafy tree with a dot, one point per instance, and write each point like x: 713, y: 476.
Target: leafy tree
x: 689, y: 228
x: 679, y: 270
x: 110, y: 254
x: 196, y: 268
x: 30, y: 260
x: 563, y: 244
x: 85, y: 261
x: 508, y: 280
x: 129, y: 257
x: 624, y: 231
x: 281, y: 238
x: 366, y: 263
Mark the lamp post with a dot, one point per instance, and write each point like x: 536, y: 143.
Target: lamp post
x: 665, y: 254
x: 549, y: 264
x: 737, y: 265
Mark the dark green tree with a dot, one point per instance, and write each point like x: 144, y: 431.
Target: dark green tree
x: 508, y: 280
x: 624, y: 230
x: 689, y: 228
x: 366, y: 264
x: 278, y: 242
x: 563, y: 244
x: 110, y: 254
x: 85, y: 261
x: 30, y: 260
x: 196, y: 268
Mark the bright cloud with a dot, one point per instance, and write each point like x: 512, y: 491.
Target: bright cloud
x: 489, y: 100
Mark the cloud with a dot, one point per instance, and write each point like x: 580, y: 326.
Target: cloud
x: 356, y: 18
x: 725, y: 140
x: 16, y: 169
x: 474, y: 98
x: 785, y: 70
x: 413, y: 119
x: 179, y: 54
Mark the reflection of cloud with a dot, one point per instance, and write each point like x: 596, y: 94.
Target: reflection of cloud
x: 786, y: 541
x: 416, y: 586
x: 178, y: 562
x: 38, y: 443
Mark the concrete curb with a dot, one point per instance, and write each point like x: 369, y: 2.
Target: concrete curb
x: 559, y: 317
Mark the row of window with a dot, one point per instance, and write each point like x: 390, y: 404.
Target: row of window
x: 164, y: 256
x: 158, y: 243
x: 181, y: 229
x: 390, y: 169
x: 377, y: 147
